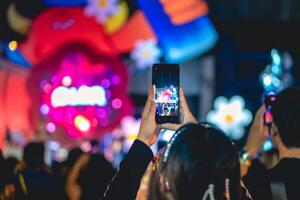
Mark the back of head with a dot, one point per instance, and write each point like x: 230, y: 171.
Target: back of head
x: 34, y: 155
x: 73, y: 156
x: 95, y: 178
x: 286, y: 114
x: 199, y: 161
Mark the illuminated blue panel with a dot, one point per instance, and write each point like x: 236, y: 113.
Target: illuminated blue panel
x: 179, y: 42
x: 16, y: 56
x: 65, y: 2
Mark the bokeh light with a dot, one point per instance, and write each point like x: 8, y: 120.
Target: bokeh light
x: 82, y: 123
x: 13, y: 45
x: 51, y: 128
x: 231, y: 116
x: 117, y: 103
x: 44, y: 109
x: 67, y: 81
x: 86, y: 147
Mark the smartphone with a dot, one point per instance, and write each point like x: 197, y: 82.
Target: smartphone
x: 269, y: 101
x: 165, y: 78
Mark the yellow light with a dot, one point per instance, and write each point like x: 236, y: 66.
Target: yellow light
x: 13, y: 45
x: 82, y: 123
x: 229, y: 118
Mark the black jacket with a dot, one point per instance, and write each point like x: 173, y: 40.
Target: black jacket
x: 126, y: 182
x: 287, y: 172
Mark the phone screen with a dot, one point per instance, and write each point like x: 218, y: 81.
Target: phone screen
x: 269, y: 100
x: 165, y: 78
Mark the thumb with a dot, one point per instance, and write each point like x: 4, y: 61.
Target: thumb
x: 152, y: 109
x: 183, y: 102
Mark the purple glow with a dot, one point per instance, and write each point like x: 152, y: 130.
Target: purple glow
x: 104, y: 122
x: 105, y: 83
x: 116, y: 103
x: 44, y: 109
x: 83, y: 97
x: 46, y: 87
x: 108, y: 94
x: 101, y: 113
x: 116, y: 80
x: 55, y: 80
x: 51, y: 128
x: 43, y: 83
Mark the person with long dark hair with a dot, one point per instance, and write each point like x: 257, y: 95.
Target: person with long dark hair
x: 199, y: 162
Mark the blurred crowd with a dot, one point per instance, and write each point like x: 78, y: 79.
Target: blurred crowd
x: 80, y: 176
x: 199, y: 162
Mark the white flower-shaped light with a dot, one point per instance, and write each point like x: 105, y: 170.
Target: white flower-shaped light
x: 130, y: 129
x: 231, y: 116
x: 145, y: 53
x: 101, y: 9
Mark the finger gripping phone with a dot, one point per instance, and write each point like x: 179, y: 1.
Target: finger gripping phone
x: 165, y: 78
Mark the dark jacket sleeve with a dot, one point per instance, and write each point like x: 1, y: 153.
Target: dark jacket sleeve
x: 126, y: 182
x: 257, y: 182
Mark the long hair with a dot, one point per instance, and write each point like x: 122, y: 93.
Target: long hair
x: 199, y: 161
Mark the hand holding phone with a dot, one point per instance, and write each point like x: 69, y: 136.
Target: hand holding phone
x: 186, y: 115
x: 149, y: 128
x: 269, y: 100
x: 165, y: 78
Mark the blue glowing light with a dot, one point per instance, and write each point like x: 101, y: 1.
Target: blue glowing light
x: 14, y: 55
x: 276, y: 59
x: 267, y: 80
x: 179, y: 42
x: 268, y: 145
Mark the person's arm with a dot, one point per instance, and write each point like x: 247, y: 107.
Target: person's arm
x: 126, y: 182
x: 254, y: 173
x: 73, y: 189
x: 256, y: 137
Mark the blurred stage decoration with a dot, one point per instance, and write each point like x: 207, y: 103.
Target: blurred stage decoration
x: 65, y: 3
x: 15, y: 102
x: 81, y: 90
x: 231, y: 116
x: 182, y: 27
x: 277, y: 76
x: 116, y: 143
x: 101, y: 9
x: 14, y: 55
x: 58, y: 38
x: 145, y: 53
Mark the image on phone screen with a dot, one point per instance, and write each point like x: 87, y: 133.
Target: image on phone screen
x: 166, y: 92
x: 166, y: 99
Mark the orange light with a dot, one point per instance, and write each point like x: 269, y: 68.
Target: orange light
x: 181, y: 12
